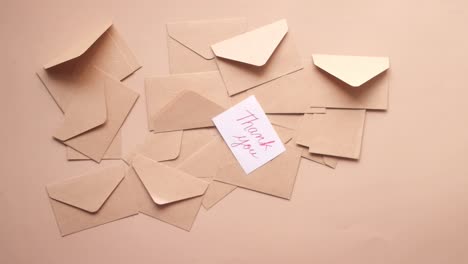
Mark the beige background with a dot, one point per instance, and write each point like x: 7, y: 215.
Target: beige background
x: 405, y: 201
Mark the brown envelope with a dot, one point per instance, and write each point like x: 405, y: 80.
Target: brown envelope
x: 188, y: 110
x: 313, y: 87
x: 119, y: 101
x: 276, y: 177
x: 337, y: 133
x: 92, y: 199
x: 181, y: 214
x: 216, y: 192
x: 166, y: 184
x: 189, y: 42
x: 102, y: 47
x: 158, y: 147
x: 256, y: 57
x: 160, y: 91
x: 114, y: 152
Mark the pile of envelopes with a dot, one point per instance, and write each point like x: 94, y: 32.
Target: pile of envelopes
x: 317, y: 106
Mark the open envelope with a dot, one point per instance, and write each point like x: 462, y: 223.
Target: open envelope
x: 165, y: 99
x: 96, y: 113
x: 101, y: 47
x: 337, y: 133
x: 329, y: 81
x: 256, y: 57
x: 189, y: 42
x: 166, y: 193
x: 92, y: 199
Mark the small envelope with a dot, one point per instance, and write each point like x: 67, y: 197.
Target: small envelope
x: 102, y: 47
x: 114, y: 152
x: 92, y: 199
x: 162, y: 90
x: 109, y: 115
x: 316, y: 87
x: 276, y: 178
x: 216, y: 192
x: 256, y: 57
x: 337, y: 133
x: 189, y: 42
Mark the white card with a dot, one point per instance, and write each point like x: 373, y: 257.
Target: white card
x: 249, y: 134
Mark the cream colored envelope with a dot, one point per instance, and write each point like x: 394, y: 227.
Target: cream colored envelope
x: 160, y: 91
x: 337, y: 133
x: 118, y: 102
x: 189, y: 42
x: 276, y: 177
x: 114, y: 152
x: 314, y: 87
x: 166, y: 184
x: 256, y: 57
x: 181, y: 213
x: 188, y: 110
x: 158, y: 147
x: 101, y: 47
x: 92, y: 199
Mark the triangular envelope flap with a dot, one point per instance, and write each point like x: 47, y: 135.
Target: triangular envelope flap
x: 254, y: 47
x: 81, y: 45
x: 166, y: 184
x: 90, y: 191
x: 86, y: 111
x: 353, y: 70
x: 200, y: 35
x: 187, y: 110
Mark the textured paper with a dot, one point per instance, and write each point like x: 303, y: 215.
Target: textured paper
x: 92, y: 199
x: 249, y: 134
x: 181, y: 214
x: 277, y: 177
x: 166, y: 184
x: 188, y: 110
x: 256, y: 57
x: 189, y: 42
x: 337, y: 133
x: 161, y: 90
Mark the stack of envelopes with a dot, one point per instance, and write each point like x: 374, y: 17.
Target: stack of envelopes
x: 317, y: 107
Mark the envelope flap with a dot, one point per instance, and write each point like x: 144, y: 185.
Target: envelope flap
x: 90, y: 191
x: 187, y: 110
x: 166, y: 184
x: 353, y: 70
x: 254, y: 47
x: 86, y: 111
x: 200, y: 35
x: 80, y: 46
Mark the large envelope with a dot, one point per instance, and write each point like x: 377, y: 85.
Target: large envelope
x: 276, y: 177
x: 337, y: 133
x: 101, y: 47
x: 324, y: 84
x: 104, y: 101
x: 162, y: 90
x: 189, y: 42
x: 180, y: 212
x: 92, y: 199
x: 256, y: 57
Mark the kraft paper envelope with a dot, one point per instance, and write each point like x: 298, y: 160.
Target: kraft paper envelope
x: 337, y: 133
x: 92, y: 199
x: 328, y: 161
x: 314, y: 87
x: 166, y: 184
x: 119, y: 101
x: 188, y: 110
x: 101, y: 47
x: 216, y: 192
x: 256, y: 57
x: 276, y: 178
x: 160, y: 91
x: 189, y: 42
x: 158, y: 147
x: 114, y: 152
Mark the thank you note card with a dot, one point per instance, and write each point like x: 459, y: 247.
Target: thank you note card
x: 249, y: 134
